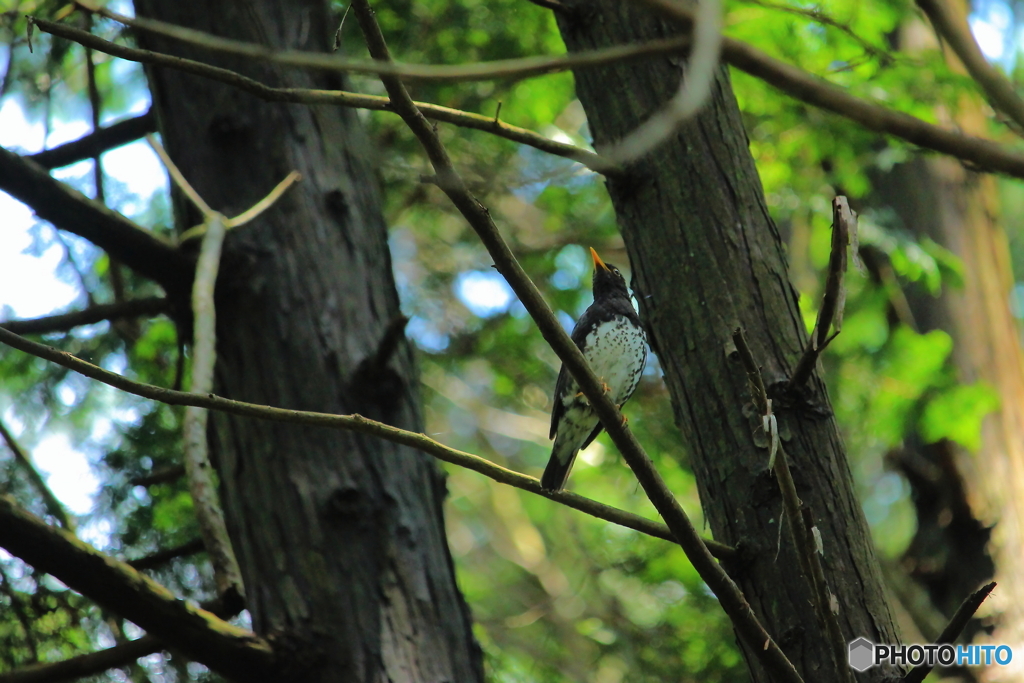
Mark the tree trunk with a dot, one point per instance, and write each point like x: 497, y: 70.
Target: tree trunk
x: 340, y: 536
x: 707, y: 258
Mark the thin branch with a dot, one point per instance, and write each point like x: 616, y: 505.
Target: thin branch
x: 998, y: 89
x: 552, y: 5
x: 85, y: 665
x: 329, y: 97
x: 520, y: 68
x: 198, y: 469
x: 102, y: 140
x: 160, y: 476
x: 952, y: 631
x: 65, y: 321
x: 844, y: 225
x: 798, y: 515
x: 694, y: 89
x: 53, y: 505
x: 178, y: 179
x: 70, y: 210
x: 227, y: 649
x: 982, y: 154
x: 729, y: 595
x: 356, y: 423
x: 162, y: 557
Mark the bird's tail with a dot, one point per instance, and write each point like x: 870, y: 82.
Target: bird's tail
x: 563, y: 455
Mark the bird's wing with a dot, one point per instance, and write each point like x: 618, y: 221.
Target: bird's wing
x: 558, y: 408
x: 578, y: 336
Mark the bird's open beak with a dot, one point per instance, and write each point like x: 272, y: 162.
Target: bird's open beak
x: 598, y: 263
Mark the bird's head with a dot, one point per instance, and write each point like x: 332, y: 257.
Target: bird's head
x: 608, y: 281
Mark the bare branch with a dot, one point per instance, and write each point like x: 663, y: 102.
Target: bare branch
x: 162, y: 557
x: 729, y: 595
x: 952, y: 631
x: 694, y: 89
x: 229, y: 650
x: 160, y: 476
x: 90, y: 316
x: 356, y: 423
x: 982, y: 154
x: 85, y: 665
x: 844, y: 225
x: 331, y: 97
x: 998, y: 89
x: 95, y: 143
x: 53, y: 505
x: 70, y: 210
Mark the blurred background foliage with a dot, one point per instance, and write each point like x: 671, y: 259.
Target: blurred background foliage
x: 557, y: 596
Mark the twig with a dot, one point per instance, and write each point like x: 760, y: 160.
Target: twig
x: 249, y: 214
x: 798, y: 515
x: 162, y: 557
x: 178, y: 179
x: 85, y: 665
x: 89, y: 316
x: 97, y: 142
x: 198, y: 470
x: 330, y: 97
x: 356, y: 423
x: 694, y: 89
x: 72, y: 211
x: 953, y: 629
x: 227, y: 649
x: 159, y: 476
x: 729, y: 595
x: 844, y: 224
x: 53, y: 504
x: 998, y: 89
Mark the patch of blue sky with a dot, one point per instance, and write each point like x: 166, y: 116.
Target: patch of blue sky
x: 484, y: 293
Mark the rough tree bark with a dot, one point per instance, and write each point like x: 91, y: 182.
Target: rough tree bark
x: 340, y: 537
x: 707, y: 258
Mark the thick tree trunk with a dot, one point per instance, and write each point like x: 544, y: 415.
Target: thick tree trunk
x: 707, y: 258
x: 340, y: 536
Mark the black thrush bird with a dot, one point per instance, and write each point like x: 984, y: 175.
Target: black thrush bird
x: 613, y: 342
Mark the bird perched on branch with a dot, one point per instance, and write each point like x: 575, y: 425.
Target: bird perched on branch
x: 613, y: 342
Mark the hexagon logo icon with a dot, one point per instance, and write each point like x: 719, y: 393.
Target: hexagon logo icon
x: 862, y: 654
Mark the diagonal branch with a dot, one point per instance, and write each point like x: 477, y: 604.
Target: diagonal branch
x: 844, y: 229
x: 998, y: 89
x: 70, y: 210
x: 104, y: 139
x: 162, y: 557
x: 53, y: 504
x: 89, y: 316
x: 953, y: 629
x: 356, y: 423
x: 332, y: 97
x: 229, y: 650
x: 85, y: 665
x: 448, y: 179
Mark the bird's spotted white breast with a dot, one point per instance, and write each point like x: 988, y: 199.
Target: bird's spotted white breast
x: 616, y: 352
